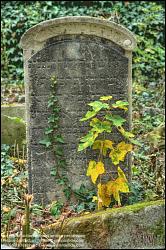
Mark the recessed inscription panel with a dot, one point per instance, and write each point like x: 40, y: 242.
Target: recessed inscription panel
x: 86, y: 68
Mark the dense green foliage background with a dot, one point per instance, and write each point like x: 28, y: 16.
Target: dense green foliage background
x: 146, y: 20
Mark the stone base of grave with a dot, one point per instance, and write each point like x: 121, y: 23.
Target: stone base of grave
x: 138, y: 226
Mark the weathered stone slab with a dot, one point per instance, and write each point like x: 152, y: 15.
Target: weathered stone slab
x: 12, y: 132
x: 90, y: 58
x: 138, y: 226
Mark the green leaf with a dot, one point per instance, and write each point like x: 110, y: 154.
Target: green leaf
x: 48, y: 131
x: 59, y: 151
x: 60, y: 182
x: 59, y: 139
x: 61, y: 163
x: 97, y: 105
x: 121, y: 105
x: 46, y: 142
x: 87, y: 141
x: 55, y: 209
x: 52, y: 118
x: 50, y: 103
x: 89, y: 115
x: 100, y: 126
x: 84, y: 145
x: 87, y: 137
x: 53, y: 172
x: 117, y: 120
x: 67, y: 193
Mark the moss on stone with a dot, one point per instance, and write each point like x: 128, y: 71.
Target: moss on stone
x: 111, y: 211
x: 117, y: 228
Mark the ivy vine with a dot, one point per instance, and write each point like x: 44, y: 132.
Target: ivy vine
x: 54, y: 140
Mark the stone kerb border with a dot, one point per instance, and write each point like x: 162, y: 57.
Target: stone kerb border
x: 36, y: 36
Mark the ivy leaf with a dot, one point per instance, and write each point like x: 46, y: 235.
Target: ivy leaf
x: 59, y: 139
x: 104, y: 198
x: 95, y: 169
x: 53, y: 172
x: 59, y: 151
x: 105, y: 98
x: 46, y: 142
x: 118, y: 154
x: 97, y: 105
x: 88, y: 115
x: 48, y: 131
x: 121, y: 105
x: 52, y: 118
x: 117, y: 120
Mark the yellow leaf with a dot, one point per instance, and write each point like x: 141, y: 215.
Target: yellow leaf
x: 122, y: 186
x: 103, y: 146
x: 118, y: 185
x: 118, y: 154
x: 113, y: 189
x: 84, y: 213
x: 126, y: 134
x: 94, y: 198
x: 28, y: 198
x: 6, y: 209
x: 105, y: 98
x: 122, y: 181
x: 108, y: 144
x: 124, y: 146
x: 103, y: 195
x: 98, y: 144
x: 17, y: 160
x: 94, y: 121
x: 121, y: 174
x: 95, y: 169
x: 92, y: 165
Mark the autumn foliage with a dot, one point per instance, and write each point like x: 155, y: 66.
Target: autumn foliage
x: 102, y: 124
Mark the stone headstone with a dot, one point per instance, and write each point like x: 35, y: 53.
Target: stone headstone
x: 90, y: 58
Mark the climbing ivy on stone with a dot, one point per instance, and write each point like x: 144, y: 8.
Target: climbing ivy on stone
x: 102, y: 125
x: 54, y: 141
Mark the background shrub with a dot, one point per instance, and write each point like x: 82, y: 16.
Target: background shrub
x: 145, y: 19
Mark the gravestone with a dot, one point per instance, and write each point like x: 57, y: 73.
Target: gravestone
x: 90, y: 57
